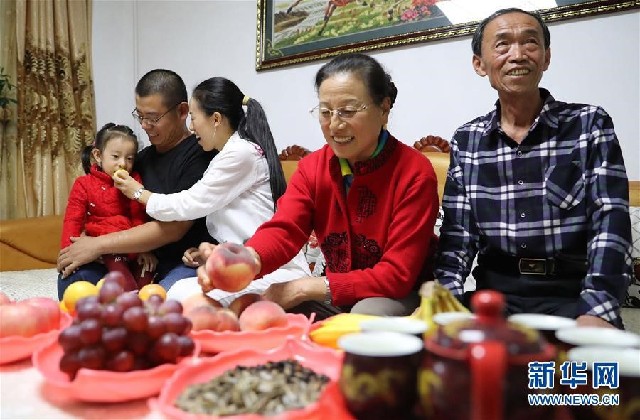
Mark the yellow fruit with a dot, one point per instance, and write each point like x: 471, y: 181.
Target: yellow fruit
x: 63, y: 307
x: 77, y: 291
x: 100, y: 283
x: 121, y: 171
x: 152, y: 289
x: 333, y: 328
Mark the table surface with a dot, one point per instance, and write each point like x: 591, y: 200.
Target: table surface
x: 24, y: 394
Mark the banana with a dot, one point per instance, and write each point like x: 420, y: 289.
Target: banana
x: 458, y: 305
x: 446, y: 300
x: 434, y: 298
x: 333, y: 328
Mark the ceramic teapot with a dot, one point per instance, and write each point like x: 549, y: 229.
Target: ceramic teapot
x: 478, y: 369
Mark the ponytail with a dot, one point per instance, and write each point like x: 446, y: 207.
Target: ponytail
x: 255, y: 128
x: 86, y: 158
x: 218, y: 94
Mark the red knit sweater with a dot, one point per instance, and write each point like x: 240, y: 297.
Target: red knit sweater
x: 97, y: 207
x: 376, y: 240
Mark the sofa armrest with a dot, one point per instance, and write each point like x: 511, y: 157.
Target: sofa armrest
x: 30, y: 243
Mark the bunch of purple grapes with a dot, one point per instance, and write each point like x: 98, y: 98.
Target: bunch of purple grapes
x: 117, y: 331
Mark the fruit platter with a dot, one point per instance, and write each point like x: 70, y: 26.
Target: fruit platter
x: 121, y: 345
x: 248, y: 322
x: 137, y: 354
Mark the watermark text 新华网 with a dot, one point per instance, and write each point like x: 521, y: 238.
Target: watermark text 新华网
x: 573, y: 375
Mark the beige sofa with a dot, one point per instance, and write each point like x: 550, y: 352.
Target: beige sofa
x: 34, y: 243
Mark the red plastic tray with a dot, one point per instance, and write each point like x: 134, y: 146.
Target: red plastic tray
x: 320, y: 359
x: 217, y: 342
x: 16, y: 348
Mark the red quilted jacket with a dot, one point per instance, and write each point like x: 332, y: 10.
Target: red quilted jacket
x: 97, y: 207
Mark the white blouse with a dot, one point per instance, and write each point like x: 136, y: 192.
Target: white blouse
x: 235, y: 196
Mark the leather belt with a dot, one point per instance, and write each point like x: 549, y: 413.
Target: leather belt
x: 558, y: 266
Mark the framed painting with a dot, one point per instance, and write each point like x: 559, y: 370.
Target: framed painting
x: 295, y: 31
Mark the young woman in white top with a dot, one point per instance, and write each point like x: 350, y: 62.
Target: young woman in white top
x: 238, y: 191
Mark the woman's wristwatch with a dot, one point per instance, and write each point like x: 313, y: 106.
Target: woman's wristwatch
x: 137, y: 194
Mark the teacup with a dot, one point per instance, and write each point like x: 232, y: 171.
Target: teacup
x: 546, y: 325
x: 379, y: 374
x: 617, y: 402
x: 399, y: 324
x: 445, y: 318
x: 592, y: 336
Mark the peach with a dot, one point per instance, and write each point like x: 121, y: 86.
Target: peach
x: 209, y: 318
x: 262, y: 315
x: 199, y: 299
x: 241, y: 303
x: 230, y: 267
x: 22, y: 319
x: 202, y: 318
x: 49, y: 307
x: 227, y: 321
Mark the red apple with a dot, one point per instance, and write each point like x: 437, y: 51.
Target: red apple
x: 262, y: 315
x: 231, y: 267
x: 4, y: 299
x: 49, y: 307
x: 199, y: 299
x: 241, y: 303
x: 21, y: 319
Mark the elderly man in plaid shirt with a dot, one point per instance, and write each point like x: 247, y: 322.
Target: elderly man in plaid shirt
x: 537, y: 188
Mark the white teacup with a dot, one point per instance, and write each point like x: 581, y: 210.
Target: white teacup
x: 627, y: 391
x: 592, y: 336
x: 445, y: 318
x: 628, y: 359
x: 399, y: 324
x: 547, y: 325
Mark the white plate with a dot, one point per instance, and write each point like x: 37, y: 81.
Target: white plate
x: 543, y: 322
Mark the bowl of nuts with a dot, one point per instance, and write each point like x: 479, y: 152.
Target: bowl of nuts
x: 293, y: 381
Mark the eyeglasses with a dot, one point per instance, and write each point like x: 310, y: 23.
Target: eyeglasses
x: 345, y: 113
x: 151, y: 121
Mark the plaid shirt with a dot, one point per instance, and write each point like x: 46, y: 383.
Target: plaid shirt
x: 562, y: 190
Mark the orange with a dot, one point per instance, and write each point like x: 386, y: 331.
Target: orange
x: 77, y: 291
x: 152, y: 289
x: 63, y: 307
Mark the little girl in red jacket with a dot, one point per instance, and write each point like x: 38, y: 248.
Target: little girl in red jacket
x: 96, y: 207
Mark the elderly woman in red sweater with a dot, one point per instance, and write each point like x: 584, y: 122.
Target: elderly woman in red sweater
x: 371, y: 200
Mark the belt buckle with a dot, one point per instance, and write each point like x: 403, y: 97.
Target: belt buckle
x: 535, y: 266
